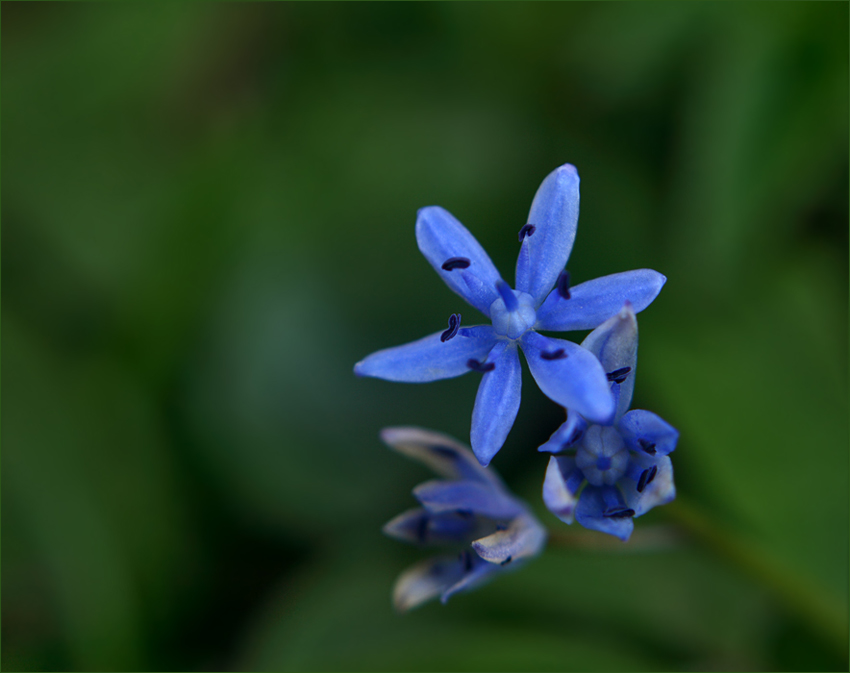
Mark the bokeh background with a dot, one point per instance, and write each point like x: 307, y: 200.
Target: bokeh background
x: 207, y: 218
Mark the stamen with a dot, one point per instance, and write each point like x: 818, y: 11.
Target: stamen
x: 454, y: 325
x: 652, y: 474
x: 453, y: 263
x: 501, y: 526
x: 642, y: 481
x: 563, y: 284
x: 619, y: 375
x: 649, y: 447
x: 466, y: 558
x: 481, y: 367
x: 618, y: 513
x: 508, y: 296
x: 558, y: 354
x: 422, y: 529
x: 506, y: 561
x: 527, y: 230
x: 572, y: 439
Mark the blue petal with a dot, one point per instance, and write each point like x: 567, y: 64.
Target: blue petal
x: 477, y: 571
x: 497, y: 402
x: 441, y: 237
x: 554, y: 214
x: 523, y: 538
x: 576, y: 381
x: 468, y: 496
x: 615, y: 343
x: 420, y: 526
x: 426, y: 580
x: 592, y: 303
x: 565, y: 436
x: 443, y: 454
x: 562, y: 482
x: 648, y: 433
x: 594, y: 502
x: 659, y: 491
x: 429, y: 359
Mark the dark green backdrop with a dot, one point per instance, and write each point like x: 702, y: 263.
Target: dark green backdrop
x: 207, y: 218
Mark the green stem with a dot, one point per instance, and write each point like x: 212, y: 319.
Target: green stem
x: 827, y: 616
x: 796, y: 593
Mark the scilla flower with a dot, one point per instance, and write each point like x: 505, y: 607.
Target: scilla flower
x: 624, y: 467
x: 565, y: 372
x: 470, y: 509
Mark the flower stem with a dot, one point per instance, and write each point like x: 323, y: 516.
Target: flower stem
x: 800, y: 596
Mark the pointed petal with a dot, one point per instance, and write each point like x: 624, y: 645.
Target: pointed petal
x: 554, y: 214
x: 592, y: 303
x: 645, y: 432
x: 443, y: 454
x: 594, y: 502
x: 523, y: 538
x: 562, y: 482
x: 442, y: 237
x: 439, y: 496
x: 477, y: 571
x: 429, y: 359
x: 576, y: 381
x: 565, y: 436
x: 497, y: 402
x: 426, y: 580
x: 659, y: 491
x: 615, y: 344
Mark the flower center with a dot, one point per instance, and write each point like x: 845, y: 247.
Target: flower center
x: 513, y: 313
x: 602, y: 456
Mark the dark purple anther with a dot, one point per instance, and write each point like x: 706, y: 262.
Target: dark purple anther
x: 454, y: 325
x: 506, y: 561
x: 649, y: 447
x: 481, y: 367
x: 422, y: 529
x: 618, y: 513
x: 619, y: 375
x: 563, y: 284
x: 453, y: 263
x: 466, y: 559
x: 642, y: 481
x: 558, y: 354
x: 527, y: 230
x: 652, y: 474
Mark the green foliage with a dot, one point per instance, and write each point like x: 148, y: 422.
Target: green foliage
x: 208, y: 218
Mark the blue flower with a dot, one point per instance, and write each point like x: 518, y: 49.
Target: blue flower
x: 565, y: 372
x: 625, y: 466
x: 470, y: 509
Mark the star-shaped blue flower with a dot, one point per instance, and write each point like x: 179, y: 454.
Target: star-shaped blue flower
x: 625, y: 465
x: 471, y: 509
x: 565, y: 372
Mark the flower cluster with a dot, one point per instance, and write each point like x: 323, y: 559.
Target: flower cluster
x: 470, y: 509
x: 616, y: 466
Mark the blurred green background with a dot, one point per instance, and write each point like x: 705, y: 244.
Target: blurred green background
x: 207, y: 218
